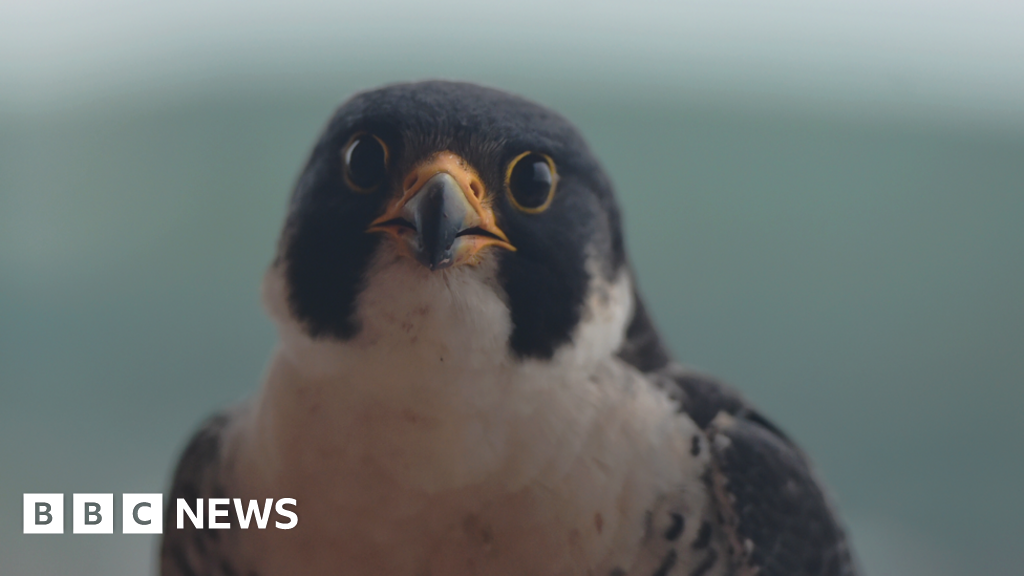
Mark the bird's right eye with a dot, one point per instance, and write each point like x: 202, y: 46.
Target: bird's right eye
x: 366, y: 162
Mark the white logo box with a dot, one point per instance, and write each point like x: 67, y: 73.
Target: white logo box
x: 92, y: 513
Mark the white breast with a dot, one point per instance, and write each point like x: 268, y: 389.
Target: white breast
x: 422, y: 446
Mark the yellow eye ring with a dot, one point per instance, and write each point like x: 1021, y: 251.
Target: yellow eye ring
x: 531, y: 187
x: 365, y: 162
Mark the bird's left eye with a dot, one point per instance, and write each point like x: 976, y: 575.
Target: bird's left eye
x: 530, y: 181
x: 366, y: 162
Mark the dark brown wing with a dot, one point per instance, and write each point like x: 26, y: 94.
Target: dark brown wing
x: 189, y: 551
x: 772, y: 509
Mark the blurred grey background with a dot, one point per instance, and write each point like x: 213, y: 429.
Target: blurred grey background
x: 825, y: 206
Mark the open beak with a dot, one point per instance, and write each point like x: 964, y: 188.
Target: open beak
x: 444, y: 216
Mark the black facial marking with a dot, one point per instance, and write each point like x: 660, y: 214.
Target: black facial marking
x: 695, y: 445
x: 325, y: 250
x: 667, y: 563
x: 538, y: 286
x: 675, y: 530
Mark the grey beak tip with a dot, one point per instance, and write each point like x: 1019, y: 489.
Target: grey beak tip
x: 438, y: 220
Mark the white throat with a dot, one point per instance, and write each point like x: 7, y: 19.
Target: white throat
x: 425, y: 430
x: 431, y: 379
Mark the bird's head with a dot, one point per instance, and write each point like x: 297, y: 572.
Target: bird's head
x: 421, y: 185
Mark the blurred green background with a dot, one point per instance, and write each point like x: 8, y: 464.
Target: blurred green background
x: 825, y: 206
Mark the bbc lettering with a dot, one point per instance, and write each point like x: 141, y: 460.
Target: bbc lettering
x: 143, y: 513
x: 44, y: 514
x: 93, y: 513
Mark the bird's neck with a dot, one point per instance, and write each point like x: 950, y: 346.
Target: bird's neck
x: 428, y: 390
x: 424, y: 424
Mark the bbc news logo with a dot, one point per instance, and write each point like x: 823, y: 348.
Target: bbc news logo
x: 143, y: 513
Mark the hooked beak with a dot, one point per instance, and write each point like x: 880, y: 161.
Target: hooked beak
x: 443, y: 217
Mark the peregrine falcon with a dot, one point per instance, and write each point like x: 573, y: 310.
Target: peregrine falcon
x: 467, y: 381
